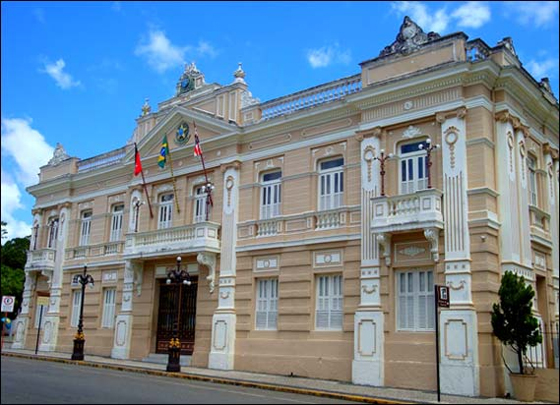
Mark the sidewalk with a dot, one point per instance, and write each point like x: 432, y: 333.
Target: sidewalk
x: 307, y: 386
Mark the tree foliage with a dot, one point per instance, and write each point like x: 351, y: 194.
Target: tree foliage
x: 12, y: 275
x: 512, y: 318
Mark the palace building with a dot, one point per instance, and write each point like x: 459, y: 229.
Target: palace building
x: 334, y: 212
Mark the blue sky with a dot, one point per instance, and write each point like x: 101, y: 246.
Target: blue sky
x: 78, y: 72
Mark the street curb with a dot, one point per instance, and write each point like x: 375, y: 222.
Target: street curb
x: 241, y: 383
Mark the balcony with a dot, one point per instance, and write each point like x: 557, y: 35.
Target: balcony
x: 540, y: 225
x: 408, y: 212
x: 95, y: 251
x: 201, y: 237
x: 41, y: 259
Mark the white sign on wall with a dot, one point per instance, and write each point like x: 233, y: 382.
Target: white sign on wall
x: 8, y: 303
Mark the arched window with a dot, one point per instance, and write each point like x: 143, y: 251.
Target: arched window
x: 53, y: 232
x: 531, y: 168
x: 413, y: 167
x: 200, y: 206
x: 331, y: 183
x: 271, y: 194
x: 85, y: 230
x: 116, y: 222
x: 165, y: 217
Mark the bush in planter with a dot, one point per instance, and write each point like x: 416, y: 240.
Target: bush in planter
x: 512, y: 319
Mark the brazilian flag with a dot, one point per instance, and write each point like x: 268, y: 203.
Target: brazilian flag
x: 162, y: 158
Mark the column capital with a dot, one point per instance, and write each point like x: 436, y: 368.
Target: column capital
x: 36, y: 211
x: 505, y: 116
x: 376, y: 132
x: 442, y: 116
x: 236, y: 164
x: 66, y: 204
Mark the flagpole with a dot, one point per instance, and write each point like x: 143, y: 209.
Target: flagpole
x: 173, y: 179
x: 143, y: 181
x: 209, y: 192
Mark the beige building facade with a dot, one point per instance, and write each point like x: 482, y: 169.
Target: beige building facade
x: 335, y: 211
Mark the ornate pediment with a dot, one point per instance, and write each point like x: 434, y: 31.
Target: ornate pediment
x: 59, y: 155
x: 410, y: 38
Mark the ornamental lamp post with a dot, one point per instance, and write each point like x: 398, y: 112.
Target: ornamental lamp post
x: 178, y: 277
x: 79, y: 338
x: 382, y: 158
x: 137, y: 205
x: 208, y: 188
x: 429, y: 148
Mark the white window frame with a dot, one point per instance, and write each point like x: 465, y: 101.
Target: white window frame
x: 330, y: 185
x: 165, y: 214
x: 109, y: 306
x: 266, y: 310
x: 76, y: 302
x: 271, y: 195
x: 85, y: 228
x: 415, y: 306
x: 532, y: 183
x: 329, y: 310
x: 116, y: 222
x: 413, y: 169
x: 53, y: 232
x: 199, y: 205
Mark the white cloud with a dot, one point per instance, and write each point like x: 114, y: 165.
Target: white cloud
x: 544, y: 68
x: 328, y: 55
x: 473, y: 14
x: 533, y: 13
x: 28, y: 148
x: 161, y: 54
x: 204, y: 48
x: 63, y: 80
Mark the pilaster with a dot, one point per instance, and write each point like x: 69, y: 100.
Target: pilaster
x: 22, y: 320
x: 224, y: 321
x: 459, y: 332
x: 368, y: 364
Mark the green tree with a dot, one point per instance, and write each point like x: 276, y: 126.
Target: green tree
x: 12, y: 275
x: 512, y: 318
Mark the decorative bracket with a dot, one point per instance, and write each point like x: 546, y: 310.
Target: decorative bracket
x: 208, y: 260
x: 384, y: 241
x: 432, y: 235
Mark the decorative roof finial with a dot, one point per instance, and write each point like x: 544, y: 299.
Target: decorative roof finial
x: 410, y: 38
x: 239, y: 74
x: 146, y: 108
x: 59, y: 155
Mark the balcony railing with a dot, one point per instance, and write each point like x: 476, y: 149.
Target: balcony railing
x: 203, y: 236
x: 312, y: 97
x: 99, y: 250
x: 418, y: 210
x: 105, y: 159
x: 40, y: 259
x: 540, y: 222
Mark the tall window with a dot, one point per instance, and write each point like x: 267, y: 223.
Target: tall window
x: 267, y: 304
x: 271, y: 195
x: 85, y: 228
x: 199, y: 205
x: 116, y: 222
x: 413, y: 170
x: 76, y: 301
x: 331, y: 184
x: 415, y: 300
x: 108, y: 318
x: 165, y: 211
x: 329, y: 302
x: 53, y: 232
x: 531, y: 166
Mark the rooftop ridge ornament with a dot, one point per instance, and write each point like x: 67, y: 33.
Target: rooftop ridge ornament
x: 239, y: 74
x: 59, y: 155
x: 146, y: 107
x: 410, y: 38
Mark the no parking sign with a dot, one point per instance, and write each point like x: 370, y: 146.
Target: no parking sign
x: 8, y: 303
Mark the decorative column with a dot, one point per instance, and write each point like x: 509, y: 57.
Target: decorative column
x: 133, y: 274
x: 368, y: 364
x: 22, y: 320
x: 551, y: 163
x: 222, y: 349
x: 521, y: 132
x: 52, y: 319
x: 459, y: 329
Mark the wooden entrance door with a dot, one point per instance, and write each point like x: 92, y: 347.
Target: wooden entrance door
x: 177, y: 303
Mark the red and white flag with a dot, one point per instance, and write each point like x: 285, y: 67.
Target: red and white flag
x: 137, y: 162
x: 197, y: 149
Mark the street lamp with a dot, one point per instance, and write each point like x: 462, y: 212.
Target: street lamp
x: 429, y: 150
x: 382, y: 158
x: 137, y: 205
x: 79, y: 339
x: 178, y: 277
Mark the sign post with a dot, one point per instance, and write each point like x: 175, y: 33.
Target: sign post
x: 441, y: 300
x: 7, y: 306
x: 42, y: 302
